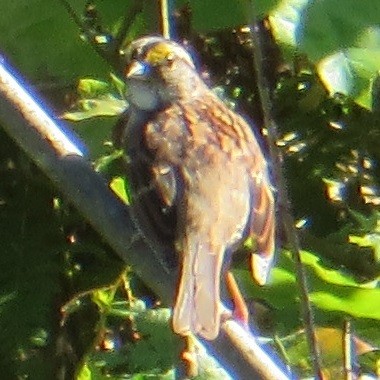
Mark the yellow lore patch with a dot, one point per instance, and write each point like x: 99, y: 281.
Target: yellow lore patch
x: 159, y: 53
x: 167, y: 51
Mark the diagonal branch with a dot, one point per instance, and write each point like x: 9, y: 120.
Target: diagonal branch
x: 111, y: 54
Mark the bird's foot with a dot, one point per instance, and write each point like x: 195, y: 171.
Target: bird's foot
x: 240, y: 312
x: 189, y: 356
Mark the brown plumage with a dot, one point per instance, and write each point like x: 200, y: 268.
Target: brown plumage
x: 199, y: 179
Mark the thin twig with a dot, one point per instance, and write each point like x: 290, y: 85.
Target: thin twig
x: 81, y: 26
x: 284, y: 204
x: 164, y: 15
x: 347, y: 350
x: 111, y: 54
x: 129, y: 18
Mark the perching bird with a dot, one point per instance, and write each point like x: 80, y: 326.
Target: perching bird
x: 198, y: 178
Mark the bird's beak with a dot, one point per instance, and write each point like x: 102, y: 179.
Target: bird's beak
x: 136, y: 69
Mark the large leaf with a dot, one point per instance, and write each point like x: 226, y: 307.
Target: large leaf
x: 211, y: 15
x: 343, y: 41
x: 331, y: 290
x: 351, y: 72
x: 43, y: 41
x: 329, y: 26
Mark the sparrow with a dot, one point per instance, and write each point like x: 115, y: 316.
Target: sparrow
x: 199, y: 180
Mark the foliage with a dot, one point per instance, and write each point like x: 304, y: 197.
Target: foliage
x: 68, y: 306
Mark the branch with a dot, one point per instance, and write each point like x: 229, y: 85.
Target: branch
x: 164, y: 16
x: 47, y: 143
x: 283, y: 202
x: 111, y: 54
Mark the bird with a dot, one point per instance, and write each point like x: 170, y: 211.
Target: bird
x: 199, y: 180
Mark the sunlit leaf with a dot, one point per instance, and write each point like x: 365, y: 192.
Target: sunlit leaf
x: 344, y: 41
x: 285, y: 21
x: 350, y: 72
x: 330, y: 289
x: 118, y: 186
x: 105, y: 106
x: 327, y: 27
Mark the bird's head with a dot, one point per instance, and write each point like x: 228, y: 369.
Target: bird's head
x: 159, y: 72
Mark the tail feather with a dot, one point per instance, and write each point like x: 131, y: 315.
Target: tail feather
x: 197, y: 309
x: 182, y: 313
x: 207, y: 294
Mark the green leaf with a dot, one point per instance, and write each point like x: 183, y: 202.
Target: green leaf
x: 215, y: 15
x: 212, y: 15
x: 107, y: 105
x: 330, y: 289
x: 98, y: 98
x: 118, y: 84
x: 351, y: 72
x: 285, y: 20
x: 327, y: 27
x: 89, y: 88
x: 104, y: 298
x: 343, y: 41
x: 84, y: 373
x: 43, y: 42
x: 96, y: 132
x: 156, y: 333
x: 119, y: 187
x: 105, y: 162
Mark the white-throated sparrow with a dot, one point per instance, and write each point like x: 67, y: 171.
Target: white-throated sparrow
x: 198, y: 177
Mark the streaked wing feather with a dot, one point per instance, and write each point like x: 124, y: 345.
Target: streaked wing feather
x: 263, y: 229
x: 165, y: 180
x: 151, y: 212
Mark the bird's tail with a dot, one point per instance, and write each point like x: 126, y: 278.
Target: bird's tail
x: 197, y: 309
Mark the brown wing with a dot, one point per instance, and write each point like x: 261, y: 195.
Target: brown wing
x: 152, y: 200
x: 262, y: 228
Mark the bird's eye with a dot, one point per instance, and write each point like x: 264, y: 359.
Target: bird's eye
x: 135, y: 54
